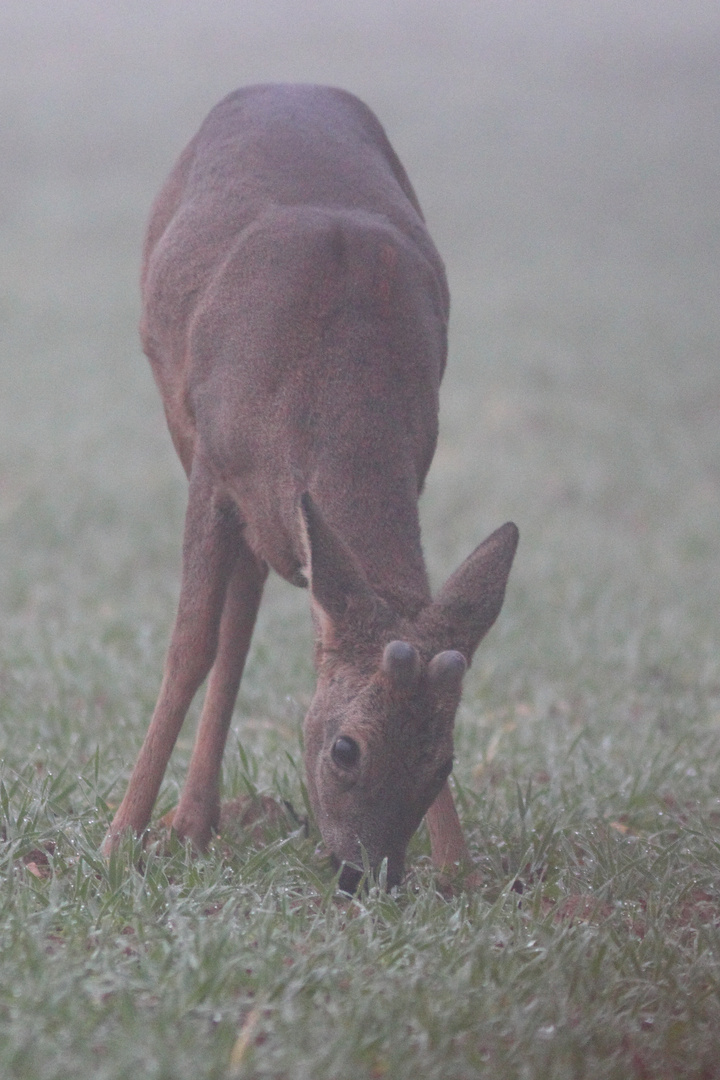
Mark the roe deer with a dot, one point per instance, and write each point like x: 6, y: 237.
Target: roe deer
x: 295, y: 315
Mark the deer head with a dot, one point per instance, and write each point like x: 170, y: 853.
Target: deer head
x: 379, y: 732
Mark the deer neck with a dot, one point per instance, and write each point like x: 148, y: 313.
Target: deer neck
x: 379, y: 523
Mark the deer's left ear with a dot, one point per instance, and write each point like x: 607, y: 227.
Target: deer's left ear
x: 470, y: 600
x: 337, y: 583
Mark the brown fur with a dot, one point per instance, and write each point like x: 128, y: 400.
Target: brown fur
x: 295, y: 315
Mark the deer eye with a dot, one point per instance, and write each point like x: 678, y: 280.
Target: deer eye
x: 345, y: 752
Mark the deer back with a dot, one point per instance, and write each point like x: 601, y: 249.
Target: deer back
x: 295, y: 314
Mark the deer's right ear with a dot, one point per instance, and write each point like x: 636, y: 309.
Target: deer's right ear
x: 336, y: 581
x: 470, y: 600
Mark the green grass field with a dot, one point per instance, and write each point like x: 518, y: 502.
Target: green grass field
x: 568, y: 163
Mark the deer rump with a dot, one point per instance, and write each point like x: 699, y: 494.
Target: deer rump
x: 295, y: 316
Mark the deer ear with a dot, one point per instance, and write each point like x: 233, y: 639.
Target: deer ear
x: 335, y: 578
x: 470, y: 600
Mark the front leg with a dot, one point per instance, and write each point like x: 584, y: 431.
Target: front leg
x: 448, y: 848
x: 198, y: 811
x: 209, y: 553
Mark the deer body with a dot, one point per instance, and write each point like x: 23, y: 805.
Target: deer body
x: 295, y: 316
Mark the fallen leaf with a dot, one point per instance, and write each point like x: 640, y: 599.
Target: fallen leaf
x: 243, y: 1041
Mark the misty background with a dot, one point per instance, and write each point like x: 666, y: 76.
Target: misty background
x: 566, y: 155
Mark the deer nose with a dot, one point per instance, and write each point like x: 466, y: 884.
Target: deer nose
x: 395, y: 872
x: 349, y: 879
x: 351, y: 876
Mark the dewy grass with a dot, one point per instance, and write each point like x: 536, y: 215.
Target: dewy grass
x: 569, y: 182
x: 591, y: 946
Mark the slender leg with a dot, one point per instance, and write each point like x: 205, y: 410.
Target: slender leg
x: 447, y: 843
x: 209, y: 550
x: 198, y: 811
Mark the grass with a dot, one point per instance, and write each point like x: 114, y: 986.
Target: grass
x: 566, y: 166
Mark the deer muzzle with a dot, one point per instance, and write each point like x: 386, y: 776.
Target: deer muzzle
x: 352, y: 873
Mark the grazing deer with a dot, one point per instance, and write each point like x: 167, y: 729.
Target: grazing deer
x: 295, y: 315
